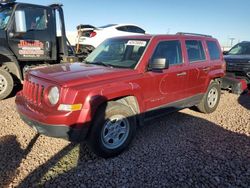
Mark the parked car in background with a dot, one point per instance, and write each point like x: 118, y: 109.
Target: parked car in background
x: 89, y: 37
x: 238, y: 61
x: 237, y: 77
x: 123, y: 82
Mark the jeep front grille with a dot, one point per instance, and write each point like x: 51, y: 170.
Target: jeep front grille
x: 33, y: 92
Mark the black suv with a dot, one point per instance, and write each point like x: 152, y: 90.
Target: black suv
x: 238, y: 61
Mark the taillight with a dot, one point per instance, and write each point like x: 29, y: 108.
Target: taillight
x: 92, y: 34
x: 223, y: 66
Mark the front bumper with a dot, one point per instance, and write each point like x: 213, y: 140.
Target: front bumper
x: 241, y: 70
x: 57, y: 131
x: 53, y: 124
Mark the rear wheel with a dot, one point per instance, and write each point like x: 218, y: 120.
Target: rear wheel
x: 6, y: 84
x: 113, y: 129
x: 211, y: 99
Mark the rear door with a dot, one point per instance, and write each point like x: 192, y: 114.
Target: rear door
x: 199, y: 66
x: 215, y: 55
x: 33, y: 33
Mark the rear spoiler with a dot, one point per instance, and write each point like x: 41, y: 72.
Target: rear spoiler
x: 85, y: 27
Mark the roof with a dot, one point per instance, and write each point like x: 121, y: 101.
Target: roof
x: 150, y: 36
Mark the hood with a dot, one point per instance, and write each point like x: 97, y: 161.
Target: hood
x: 238, y: 58
x: 71, y: 74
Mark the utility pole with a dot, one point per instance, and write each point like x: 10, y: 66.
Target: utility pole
x: 231, y: 41
x: 168, y: 31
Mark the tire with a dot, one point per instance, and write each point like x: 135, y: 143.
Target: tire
x: 211, y: 99
x: 113, y: 129
x: 6, y: 84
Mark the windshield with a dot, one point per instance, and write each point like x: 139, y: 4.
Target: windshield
x: 240, y: 49
x: 5, y: 13
x: 121, y: 53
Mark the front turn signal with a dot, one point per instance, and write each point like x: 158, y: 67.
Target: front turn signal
x: 70, y: 107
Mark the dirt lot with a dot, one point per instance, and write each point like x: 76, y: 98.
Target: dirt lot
x: 183, y: 149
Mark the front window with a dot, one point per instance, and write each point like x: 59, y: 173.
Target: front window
x: 119, y: 53
x: 169, y: 50
x: 5, y: 13
x: 240, y: 49
x: 36, y: 18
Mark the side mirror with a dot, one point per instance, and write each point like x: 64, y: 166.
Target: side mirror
x: 225, y: 52
x: 159, y: 64
x: 20, y: 22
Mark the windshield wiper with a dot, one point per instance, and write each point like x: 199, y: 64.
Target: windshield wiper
x: 99, y: 63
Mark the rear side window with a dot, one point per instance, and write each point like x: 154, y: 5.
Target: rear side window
x: 213, y: 50
x: 170, y: 50
x: 122, y: 28
x: 135, y: 29
x: 130, y: 28
x: 195, y: 50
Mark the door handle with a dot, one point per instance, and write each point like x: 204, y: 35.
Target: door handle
x: 206, y: 69
x: 48, y: 45
x: 182, y: 74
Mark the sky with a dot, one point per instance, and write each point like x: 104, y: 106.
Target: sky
x: 223, y: 19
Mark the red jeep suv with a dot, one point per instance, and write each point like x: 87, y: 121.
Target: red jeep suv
x: 122, y: 83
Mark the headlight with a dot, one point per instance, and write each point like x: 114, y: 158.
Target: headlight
x: 53, y: 95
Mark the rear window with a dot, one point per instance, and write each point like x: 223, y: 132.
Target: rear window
x: 213, y: 50
x: 106, y: 26
x: 195, y: 50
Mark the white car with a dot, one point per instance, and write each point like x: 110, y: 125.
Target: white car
x: 89, y: 37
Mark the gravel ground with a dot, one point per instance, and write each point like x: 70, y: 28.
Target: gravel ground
x: 183, y: 149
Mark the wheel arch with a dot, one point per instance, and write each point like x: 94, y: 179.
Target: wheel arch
x: 128, y: 100
x: 98, y: 101
x: 10, y: 64
x: 217, y: 79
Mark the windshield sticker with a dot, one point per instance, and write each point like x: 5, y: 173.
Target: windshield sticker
x: 31, y: 48
x: 137, y: 43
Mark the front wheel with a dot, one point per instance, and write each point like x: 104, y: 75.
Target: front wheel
x: 211, y: 99
x: 113, y: 129
x: 6, y: 84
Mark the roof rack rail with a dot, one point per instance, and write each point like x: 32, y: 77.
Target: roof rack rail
x: 194, y: 34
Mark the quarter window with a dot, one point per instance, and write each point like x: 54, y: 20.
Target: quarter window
x: 170, y: 50
x: 195, y: 50
x: 213, y: 50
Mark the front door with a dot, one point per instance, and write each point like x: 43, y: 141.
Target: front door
x: 169, y: 85
x: 31, y: 35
